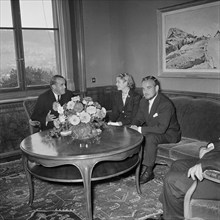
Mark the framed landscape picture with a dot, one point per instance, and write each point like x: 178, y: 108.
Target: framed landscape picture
x: 189, y: 40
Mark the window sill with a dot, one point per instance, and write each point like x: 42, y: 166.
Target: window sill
x: 19, y: 95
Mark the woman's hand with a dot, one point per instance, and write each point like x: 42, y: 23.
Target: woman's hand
x: 134, y: 127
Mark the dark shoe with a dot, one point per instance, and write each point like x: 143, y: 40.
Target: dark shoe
x: 143, y: 169
x: 146, y: 177
x: 159, y: 218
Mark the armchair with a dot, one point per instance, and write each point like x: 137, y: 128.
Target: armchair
x: 204, y: 209
x: 29, y: 104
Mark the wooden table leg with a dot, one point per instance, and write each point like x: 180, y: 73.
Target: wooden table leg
x: 137, y: 173
x: 29, y: 179
x: 86, y: 172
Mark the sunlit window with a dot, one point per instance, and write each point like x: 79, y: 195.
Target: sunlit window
x: 8, y: 67
x: 28, y: 44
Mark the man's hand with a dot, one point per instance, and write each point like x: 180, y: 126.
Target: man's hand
x: 50, y: 117
x: 136, y: 128
x: 196, y: 171
x: 204, y: 150
x: 115, y: 123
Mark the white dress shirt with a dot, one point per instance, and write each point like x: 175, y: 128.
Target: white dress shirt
x: 57, y: 97
x: 151, y: 101
x: 124, y: 97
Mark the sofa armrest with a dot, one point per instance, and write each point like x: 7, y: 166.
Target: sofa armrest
x: 212, y: 175
x: 34, y: 126
x: 187, y: 199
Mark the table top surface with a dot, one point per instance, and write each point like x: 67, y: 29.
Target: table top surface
x: 112, y: 140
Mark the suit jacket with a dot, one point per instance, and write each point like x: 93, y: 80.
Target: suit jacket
x: 162, y: 118
x: 45, y: 104
x: 125, y: 113
x: 211, y: 160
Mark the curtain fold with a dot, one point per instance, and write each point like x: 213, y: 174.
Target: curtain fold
x: 65, y: 41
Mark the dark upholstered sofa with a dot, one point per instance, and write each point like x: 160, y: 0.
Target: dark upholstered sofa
x: 199, y: 120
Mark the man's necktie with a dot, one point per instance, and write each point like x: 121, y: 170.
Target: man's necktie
x: 59, y: 98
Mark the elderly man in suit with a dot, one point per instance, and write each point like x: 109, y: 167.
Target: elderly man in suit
x: 43, y: 111
x: 156, y: 119
x: 181, y: 176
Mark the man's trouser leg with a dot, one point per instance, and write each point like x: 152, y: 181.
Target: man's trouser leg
x: 176, y: 183
x: 150, y: 148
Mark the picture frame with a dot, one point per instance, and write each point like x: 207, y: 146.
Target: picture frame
x: 189, y: 40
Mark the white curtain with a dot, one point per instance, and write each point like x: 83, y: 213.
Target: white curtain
x: 66, y: 53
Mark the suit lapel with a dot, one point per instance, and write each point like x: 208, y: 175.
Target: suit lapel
x: 148, y: 115
x: 119, y: 100
x: 63, y: 99
x: 52, y: 96
x: 50, y: 101
x: 145, y: 109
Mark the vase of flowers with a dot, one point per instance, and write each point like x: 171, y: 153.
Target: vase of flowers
x: 82, y: 118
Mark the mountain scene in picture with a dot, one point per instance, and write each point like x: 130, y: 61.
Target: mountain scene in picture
x: 185, y: 50
x: 82, y: 118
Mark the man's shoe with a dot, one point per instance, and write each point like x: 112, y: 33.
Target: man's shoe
x: 143, y: 169
x: 146, y: 177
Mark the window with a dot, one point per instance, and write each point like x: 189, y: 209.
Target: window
x: 29, y: 44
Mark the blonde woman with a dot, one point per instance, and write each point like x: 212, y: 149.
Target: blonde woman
x: 125, y: 101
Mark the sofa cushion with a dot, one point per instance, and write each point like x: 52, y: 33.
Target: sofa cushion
x: 165, y: 149
x: 187, y: 150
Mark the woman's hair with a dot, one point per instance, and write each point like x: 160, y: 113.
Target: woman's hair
x: 127, y: 77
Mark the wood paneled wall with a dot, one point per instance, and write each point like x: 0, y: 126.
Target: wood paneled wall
x: 14, y: 124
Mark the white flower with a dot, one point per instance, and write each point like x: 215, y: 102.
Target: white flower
x: 91, y: 109
x: 84, y: 102
x: 104, y: 111
x: 62, y: 118
x: 101, y: 113
x: 56, y: 123
x: 78, y: 111
x: 75, y: 98
x: 90, y: 103
x: 84, y: 117
x: 60, y: 110
x: 70, y: 105
x: 74, y: 120
x: 55, y: 106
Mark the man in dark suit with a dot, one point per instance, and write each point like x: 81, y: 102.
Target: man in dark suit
x: 181, y: 176
x: 43, y: 111
x: 156, y: 120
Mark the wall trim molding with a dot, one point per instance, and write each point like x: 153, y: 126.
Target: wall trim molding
x: 193, y: 94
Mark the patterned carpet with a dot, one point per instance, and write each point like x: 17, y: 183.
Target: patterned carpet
x: 113, y: 199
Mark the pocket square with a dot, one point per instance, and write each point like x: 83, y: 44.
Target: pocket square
x: 155, y: 115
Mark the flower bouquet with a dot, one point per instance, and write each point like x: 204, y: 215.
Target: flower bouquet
x: 81, y: 118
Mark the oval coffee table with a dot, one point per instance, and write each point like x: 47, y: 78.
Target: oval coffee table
x: 116, y: 151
